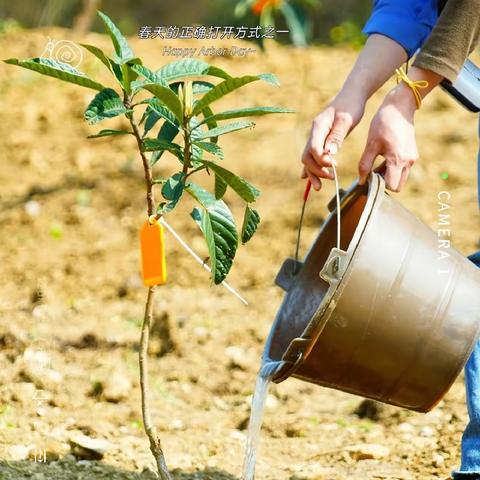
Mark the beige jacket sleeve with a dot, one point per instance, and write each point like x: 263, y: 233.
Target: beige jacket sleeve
x: 453, y: 38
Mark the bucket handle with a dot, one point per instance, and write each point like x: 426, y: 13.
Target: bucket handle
x: 339, y: 214
x: 336, y: 252
x: 336, y: 263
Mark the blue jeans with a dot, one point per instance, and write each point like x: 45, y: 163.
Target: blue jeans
x: 470, y: 467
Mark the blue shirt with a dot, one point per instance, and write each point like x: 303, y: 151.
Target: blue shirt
x: 407, y: 22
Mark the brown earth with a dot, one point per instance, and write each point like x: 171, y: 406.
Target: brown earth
x: 72, y: 302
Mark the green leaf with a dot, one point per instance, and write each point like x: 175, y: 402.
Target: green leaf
x: 184, y: 68
x: 154, y: 144
x: 230, y: 127
x: 117, y: 72
x: 149, y: 77
x: 106, y: 104
x: 269, y: 78
x: 167, y: 97
x: 62, y: 71
x: 167, y: 133
x: 219, y: 91
x: 243, y: 188
x: 123, y: 52
x: 181, y: 69
x: 135, y: 61
x: 146, y: 73
x: 98, y: 53
x: 200, y: 88
x: 196, y: 156
x: 197, y: 152
x: 211, y: 148
x: 188, y: 67
x: 211, y: 123
x: 220, y: 187
x: 129, y: 75
x: 154, y: 112
x: 172, y: 191
x: 247, y: 112
x: 251, y: 220
x: 155, y: 105
x: 218, y: 227
x: 218, y: 72
x: 151, y: 118
x: 205, y: 198
x: 229, y: 85
x: 108, y: 132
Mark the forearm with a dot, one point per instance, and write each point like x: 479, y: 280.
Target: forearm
x: 392, y: 134
x: 452, y: 40
x: 377, y: 62
x: 404, y: 96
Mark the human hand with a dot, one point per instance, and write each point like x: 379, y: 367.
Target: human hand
x: 329, y: 129
x: 392, y: 135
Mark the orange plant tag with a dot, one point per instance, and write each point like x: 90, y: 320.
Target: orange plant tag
x: 154, y: 268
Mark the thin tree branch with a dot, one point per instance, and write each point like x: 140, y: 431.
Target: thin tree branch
x: 150, y: 430
x: 198, y: 169
x: 146, y: 164
x: 186, y: 148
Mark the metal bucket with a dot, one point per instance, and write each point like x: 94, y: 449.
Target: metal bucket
x: 384, y: 316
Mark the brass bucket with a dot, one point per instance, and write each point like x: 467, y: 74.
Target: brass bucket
x: 386, y: 316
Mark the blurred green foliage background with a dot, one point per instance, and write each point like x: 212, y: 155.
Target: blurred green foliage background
x: 332, y: 21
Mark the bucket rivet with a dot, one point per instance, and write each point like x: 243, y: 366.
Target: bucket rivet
x: 335, y: 266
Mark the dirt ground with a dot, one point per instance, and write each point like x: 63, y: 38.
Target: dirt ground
x: 71, y: 300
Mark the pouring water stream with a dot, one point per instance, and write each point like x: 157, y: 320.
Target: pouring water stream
x: 255, y: 425
x: 265, y: 374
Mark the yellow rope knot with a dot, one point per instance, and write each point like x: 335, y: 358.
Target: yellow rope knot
x: 414, y: 86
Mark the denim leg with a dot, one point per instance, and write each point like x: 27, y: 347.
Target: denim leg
x: 470, y: 466
x: 478, y: 170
